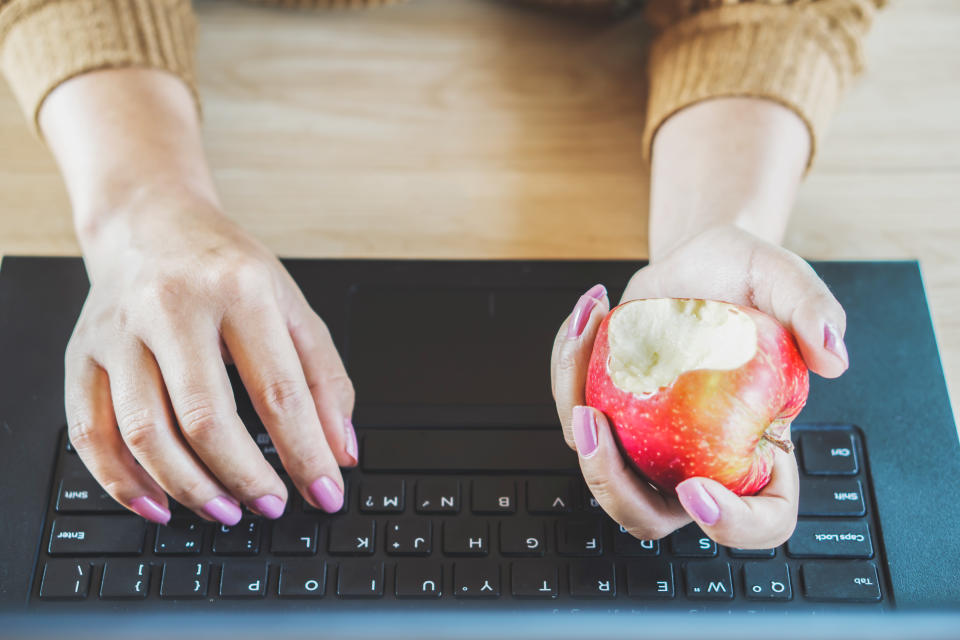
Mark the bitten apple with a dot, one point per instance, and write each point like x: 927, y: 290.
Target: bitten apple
x: 697, y: 388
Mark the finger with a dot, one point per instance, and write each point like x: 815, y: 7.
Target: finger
x: 328, y: 382
x: 571, y: 354
x: 754, y: 273
x: 92, y: 430
x: 626, y: 497
x: 271, y: 371
x: 187, y: 352
x: 788, y: 288
x: 148, y: 428
x: 762, y: 521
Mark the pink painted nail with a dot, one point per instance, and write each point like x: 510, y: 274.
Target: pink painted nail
x: 150, y: 509
x: 270, y: 506
x: 698, y: 502
x: 351, y: 440
x: 223, y: 511
x: 584, y: 431
x: 833, y: 343
x: 581, y: 311
x: 327, y: 494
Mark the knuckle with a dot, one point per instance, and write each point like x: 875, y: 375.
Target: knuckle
x: 82, y: 434
x: 281, y: 397
x: 165, y: 292
x: 199, y: 420
x: 238, y: 277
x: 139, y: 428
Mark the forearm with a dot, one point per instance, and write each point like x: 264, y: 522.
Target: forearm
x: 126, y: 140
x: 725, y: 161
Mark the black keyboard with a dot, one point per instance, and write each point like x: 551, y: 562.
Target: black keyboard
x: 491, y: 517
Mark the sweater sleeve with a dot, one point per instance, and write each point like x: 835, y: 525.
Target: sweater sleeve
x: 46, y: 42
x: 800, y: 53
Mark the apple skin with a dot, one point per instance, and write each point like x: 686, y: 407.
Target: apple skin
x: 707, y: 423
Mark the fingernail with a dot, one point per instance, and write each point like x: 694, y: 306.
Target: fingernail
x: 232, y: 500
x: 327, y: 494
x: 584, y: 431
x: 223, y: 511
x: 351, y: 440
x: 269, y: 506
x: 581, y: 312
x: 150, y: 509
x: 833, y: 343
x: 698, y: 502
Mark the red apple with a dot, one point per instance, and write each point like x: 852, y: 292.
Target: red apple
x: 697, y: 388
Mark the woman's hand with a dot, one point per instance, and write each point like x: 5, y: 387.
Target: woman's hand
x: 721, y: 263
x: 172, y: 298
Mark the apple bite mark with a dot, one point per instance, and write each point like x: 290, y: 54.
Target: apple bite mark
x: 697, y: 388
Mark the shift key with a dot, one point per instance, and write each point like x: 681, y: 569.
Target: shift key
x: 97, y: 535
x: 830, y: 539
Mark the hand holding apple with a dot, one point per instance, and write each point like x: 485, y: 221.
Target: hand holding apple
x: 721, y: 263
x: 697, y: 388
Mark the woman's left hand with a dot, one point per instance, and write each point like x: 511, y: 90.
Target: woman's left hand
x: 721, y: 263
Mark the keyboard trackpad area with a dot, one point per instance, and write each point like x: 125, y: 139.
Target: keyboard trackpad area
x: 466, y: 450
x: 471, y: 346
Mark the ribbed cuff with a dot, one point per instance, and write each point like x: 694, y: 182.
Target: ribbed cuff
x: 779, y: 53
x: 46, y: 42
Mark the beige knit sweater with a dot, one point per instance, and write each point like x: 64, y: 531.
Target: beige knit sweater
x: 801, y: 53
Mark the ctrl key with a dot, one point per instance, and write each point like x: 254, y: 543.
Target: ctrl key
x: 65, y: 580
x: 841, y: 581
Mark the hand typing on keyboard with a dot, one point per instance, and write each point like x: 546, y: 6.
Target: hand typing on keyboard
x: 722, y: 263
x: 176, y: 290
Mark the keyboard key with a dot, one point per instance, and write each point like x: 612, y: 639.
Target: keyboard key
x: 831, y: 539
x: 412, y: 536
x: 124, y: 579
x: 522, y: 538
x: 550, y: 495
x: 381, y: 496
x: 588, y: 502
x: 242, y: 539
x: 184, y: 579
x: 243, y: 579
x: 828, y: 453
x: 751, y: 553
x: 534, y: 579
x: 476, y: 579
x: 650, y: 579
x: 352, y: 537
x: 303, y: 579
x: 293, y: 536
x: 625, y: 544
x: 419, y: 579
x: 767, y: 580
x: 709, y: 581
x: 494, y: 496
x: 841, y: 581
x: 438, y: 496
x: 359, y: 579
x: 179, y: 537
x: 80, y: 493
x: 579, y: 538
x: 466, y: 538
x: 831, y: 497
x: 592, y: 579
x: 692, y: 542
x: 95, y: 535
x: 65, y: 580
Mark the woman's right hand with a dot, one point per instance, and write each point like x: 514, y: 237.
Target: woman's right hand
x: 177, y: 292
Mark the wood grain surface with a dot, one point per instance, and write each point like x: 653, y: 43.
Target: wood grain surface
x: 477, y: 129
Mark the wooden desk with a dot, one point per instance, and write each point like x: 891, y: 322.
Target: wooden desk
x: 447, y: 128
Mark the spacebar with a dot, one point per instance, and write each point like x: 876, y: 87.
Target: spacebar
x: 466, y: 450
